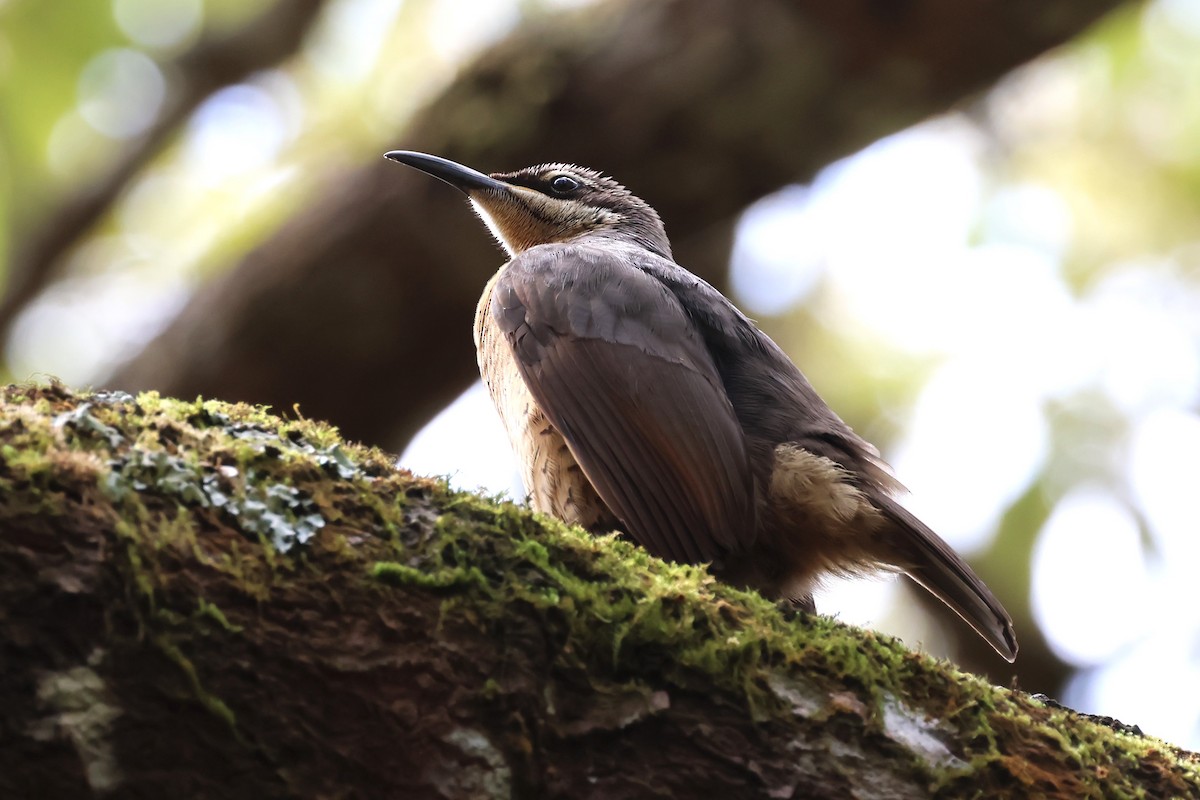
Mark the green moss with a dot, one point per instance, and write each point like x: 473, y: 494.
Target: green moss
x: 206, y: 610
x: 140, y: 578
x: 395, y: 574
x: 214, y: 704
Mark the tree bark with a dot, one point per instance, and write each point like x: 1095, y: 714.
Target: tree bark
x: 700, y: 106
x: 201, y: 600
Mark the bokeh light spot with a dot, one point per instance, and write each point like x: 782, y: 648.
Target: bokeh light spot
x: 1090, y: 579
x: 466, y: 443
x: 237, y: 129
x: 121, y: 92
x: 159, y: 23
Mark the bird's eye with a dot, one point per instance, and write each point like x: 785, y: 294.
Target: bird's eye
x: 564, y: 184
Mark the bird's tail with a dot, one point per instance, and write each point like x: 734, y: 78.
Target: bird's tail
x: 930, y: 562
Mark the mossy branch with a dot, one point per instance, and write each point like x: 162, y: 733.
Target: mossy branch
x: 203, y: 600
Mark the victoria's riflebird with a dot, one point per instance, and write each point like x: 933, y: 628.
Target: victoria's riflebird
x: 638, y: 398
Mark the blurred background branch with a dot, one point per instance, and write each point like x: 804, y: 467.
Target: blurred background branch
x: 219, y: 59
x: 695, y: 103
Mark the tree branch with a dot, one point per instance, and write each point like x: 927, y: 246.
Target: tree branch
x: 200, y: 600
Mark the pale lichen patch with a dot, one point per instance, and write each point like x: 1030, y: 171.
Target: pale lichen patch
x: 484, y: 773
x: 800, y: 694
x: 918, y: 734
x: 81, y: 708
x: 614, y: 709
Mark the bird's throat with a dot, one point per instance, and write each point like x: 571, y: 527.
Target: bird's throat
x: 521, y: 221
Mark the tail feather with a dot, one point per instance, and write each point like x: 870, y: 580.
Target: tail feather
x: 930, y: 562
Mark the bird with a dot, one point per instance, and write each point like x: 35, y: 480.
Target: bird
x: 639, y: 399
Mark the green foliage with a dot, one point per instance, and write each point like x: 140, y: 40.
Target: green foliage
x: 43, y: 49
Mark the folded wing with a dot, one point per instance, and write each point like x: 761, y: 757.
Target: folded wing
x: 610, y: 356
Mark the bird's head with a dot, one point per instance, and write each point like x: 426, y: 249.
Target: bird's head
x: 548, y: 203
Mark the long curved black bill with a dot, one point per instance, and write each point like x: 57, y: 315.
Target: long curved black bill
x: 462, y: 178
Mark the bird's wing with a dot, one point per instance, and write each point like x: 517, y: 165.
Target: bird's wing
x: 611, y: 358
